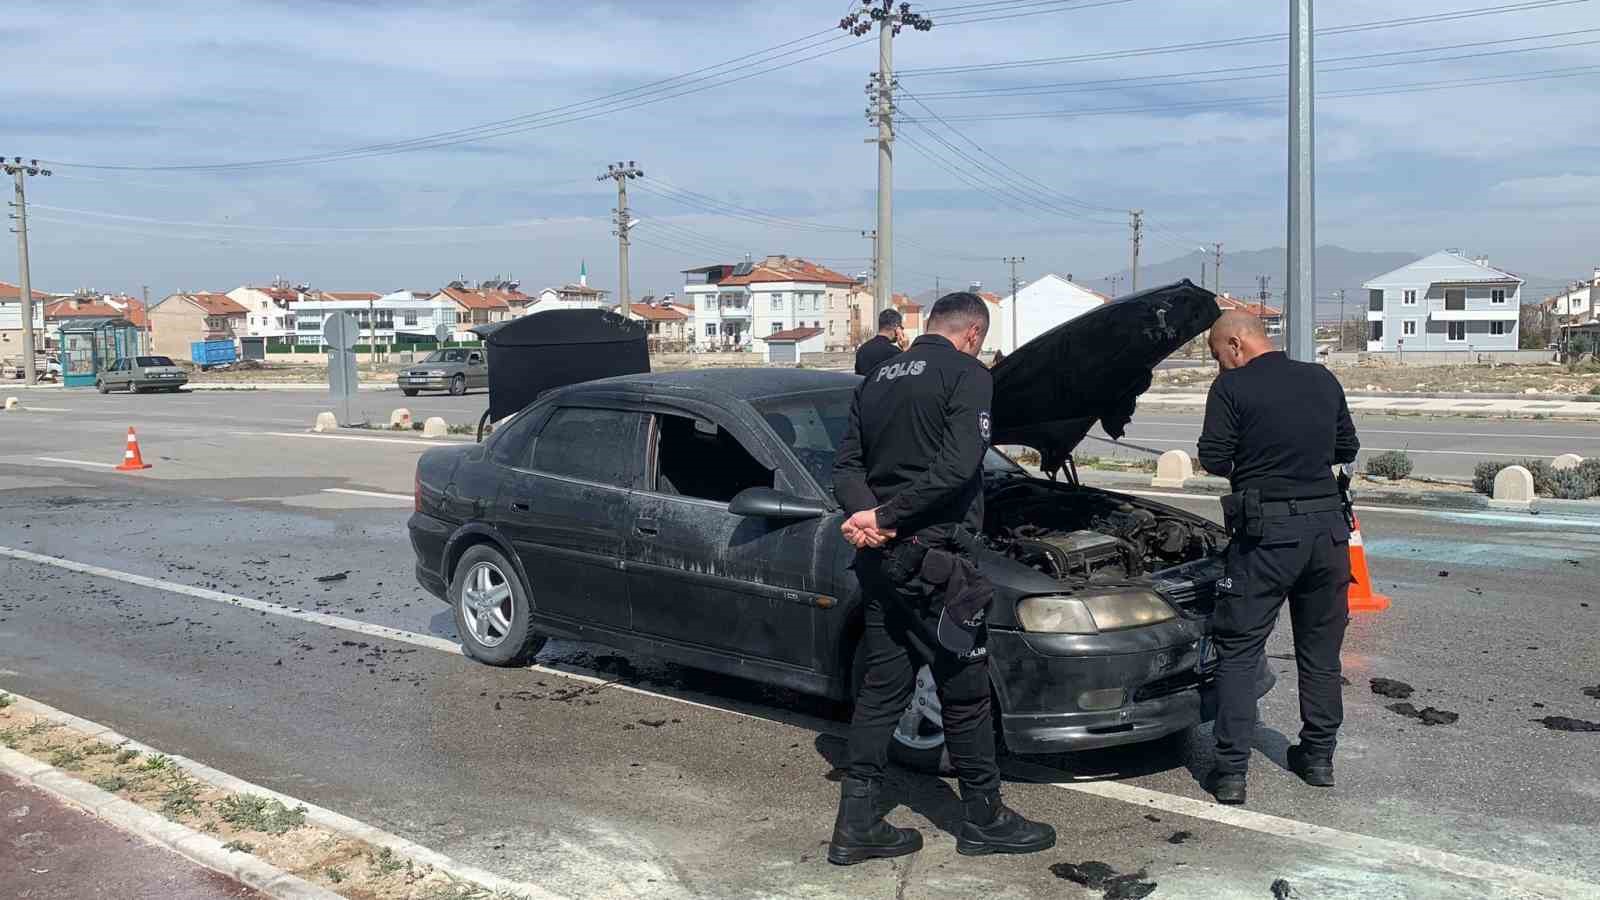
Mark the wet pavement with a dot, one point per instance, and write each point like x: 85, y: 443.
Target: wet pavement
x: 51, y: 851
x: 699, y: 785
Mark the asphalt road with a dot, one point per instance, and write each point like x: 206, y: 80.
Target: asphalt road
x: 674, y: 783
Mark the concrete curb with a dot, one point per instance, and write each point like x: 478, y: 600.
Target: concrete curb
x: 198, y: 848
x: 283, y: 885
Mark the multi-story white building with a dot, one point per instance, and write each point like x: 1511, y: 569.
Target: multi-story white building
x: 269, y: 309
x: 399, y: 317
x: 1444, y: 302
x: 734, y: 303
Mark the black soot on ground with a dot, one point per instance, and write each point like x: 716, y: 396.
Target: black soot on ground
x: 1097, y: 875
x: 1566, y: 723
x: 1427, y: 715
x: 1282, y: 890
x: 1388, y: 687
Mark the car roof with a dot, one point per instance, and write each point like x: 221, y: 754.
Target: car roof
x: 739, y: 384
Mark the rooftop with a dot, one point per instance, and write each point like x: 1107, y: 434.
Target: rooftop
x: 658, y: 313
x: 793, y: 334
x: 1444, y: 267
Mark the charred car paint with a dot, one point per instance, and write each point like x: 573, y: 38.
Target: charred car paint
x: 691, y: 516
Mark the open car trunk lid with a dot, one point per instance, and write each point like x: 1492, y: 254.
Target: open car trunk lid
x: 536, y: 353
x: 1053, y: 389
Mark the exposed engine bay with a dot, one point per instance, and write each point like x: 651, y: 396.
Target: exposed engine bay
x: 1092, y: 535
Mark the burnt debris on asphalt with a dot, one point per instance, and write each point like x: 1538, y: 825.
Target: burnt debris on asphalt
x: 1567, y: 723
x: 1427, y: 715
x: 1097, y: 875
x: 1388, y: 687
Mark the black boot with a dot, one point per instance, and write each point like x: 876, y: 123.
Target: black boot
x: 993, y: 827
x: 860, y: 833
x: 1228, y: 788
x: 1313, y: 768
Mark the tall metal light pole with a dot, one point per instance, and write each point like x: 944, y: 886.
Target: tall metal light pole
x: 880, y: 89
x: 620, y: 173
x: 1013, y: 261
x: 1218, y: 273
x: 1136, y: 221
x: 1341, y: 320
x: 1300, y: 295
x: 18, y: 170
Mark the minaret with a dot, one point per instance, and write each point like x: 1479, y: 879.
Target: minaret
x: 583, y: 273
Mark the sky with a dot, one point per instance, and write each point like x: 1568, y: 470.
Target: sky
x: 1494, y: 154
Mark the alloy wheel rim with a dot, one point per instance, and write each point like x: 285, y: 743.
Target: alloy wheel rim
x: 486, y: 604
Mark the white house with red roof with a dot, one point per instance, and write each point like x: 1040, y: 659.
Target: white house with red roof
x: 1037, y: 307
x: 734, y: 303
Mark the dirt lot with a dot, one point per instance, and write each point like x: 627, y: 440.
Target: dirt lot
x: 661, y: 362
x: 1548, y: 379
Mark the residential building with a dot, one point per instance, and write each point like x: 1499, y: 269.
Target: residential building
x: 569, y: 296
x: 91, y: 305
x: 11, y: 320
x: 487, y: 303
x: 667, y: 324
x: 1271, y: 316
x: 178, y: 320
x: 1579, y: 304
x: 398, y: 317
x: 1037, y: 307
x: 785, y: 347
x: 910, y: 315
x: 1444, y: 302
x: 733, y: 303
x: 863, y: 314
x: 269, y: 309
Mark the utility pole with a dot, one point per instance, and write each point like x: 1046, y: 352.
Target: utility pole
x: 621, y: 173
x: 1115, y: 281
x: 1300, y: 296
x: 1137, y: 221
x: 1217, y: 273
x: 1015, y: 302
x: 1341, y: 319
x: 144, y: 333
x: 17, y: 170
x: 372, y: 334
x: 1261, y: 307
x: 880, y: 89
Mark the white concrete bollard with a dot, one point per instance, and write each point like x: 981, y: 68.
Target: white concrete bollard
x: 435, y: 427
x: 401, y: 419
x: 13, y: 403
x: 325, y: 422
x: 1173, y: 469
x: 1513, y: 487
x: 1566, y: 461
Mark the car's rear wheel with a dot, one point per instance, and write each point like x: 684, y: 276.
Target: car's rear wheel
x: 409, y: 392
x: 458, y: 385
x: 492, y: 609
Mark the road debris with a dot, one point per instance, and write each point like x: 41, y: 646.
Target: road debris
x: 1282, y: 890
x: 1566, y: 723
x: 1097, y: 875
x: 336, y: 576
x: 1179, y: 837
x: 1427, y: 715
x: 1592, y: 692
x: 1388, y: 687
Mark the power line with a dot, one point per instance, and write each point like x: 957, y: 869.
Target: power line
x: 334, y: 228
x: 644, y: 95
x: 1247, y: 40
x: 1056, y: 6
x: 668, y: 191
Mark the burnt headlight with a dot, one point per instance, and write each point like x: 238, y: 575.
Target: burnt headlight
x: 1092, y: 613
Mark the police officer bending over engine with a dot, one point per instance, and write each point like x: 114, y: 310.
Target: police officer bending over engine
x: 909, y: 470
x: 1275, y: 428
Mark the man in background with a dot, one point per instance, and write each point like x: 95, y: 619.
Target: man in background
x: 883, y: 347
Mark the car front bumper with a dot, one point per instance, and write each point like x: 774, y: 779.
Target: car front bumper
x: 1046, y: 684
x: 429, y: 383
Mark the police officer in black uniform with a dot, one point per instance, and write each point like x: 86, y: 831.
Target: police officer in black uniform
x: 1275, y: 428
x: 909, y: 470
x: 884, y: 346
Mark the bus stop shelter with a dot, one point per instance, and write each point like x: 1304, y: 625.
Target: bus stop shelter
x: 89, y: 346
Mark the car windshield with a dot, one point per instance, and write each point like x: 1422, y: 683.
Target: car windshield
x: 145, y: 362
x: 447, y: 356
x: 812, y: 424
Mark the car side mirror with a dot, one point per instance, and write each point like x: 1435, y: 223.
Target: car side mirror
x: 766, y: 503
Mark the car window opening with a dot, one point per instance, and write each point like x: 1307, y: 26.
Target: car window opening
x: 690, y: 462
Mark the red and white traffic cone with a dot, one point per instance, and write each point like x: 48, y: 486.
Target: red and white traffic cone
x: 131, y: 460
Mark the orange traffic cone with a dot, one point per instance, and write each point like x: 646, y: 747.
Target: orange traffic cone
x: 131, y: 460
x: 1362, y: 598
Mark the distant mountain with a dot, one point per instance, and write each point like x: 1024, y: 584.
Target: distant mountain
x: 1336, y: 268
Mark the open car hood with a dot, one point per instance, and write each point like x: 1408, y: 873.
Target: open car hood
x: 1054, y: 388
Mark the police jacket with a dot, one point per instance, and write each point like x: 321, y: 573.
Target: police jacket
x: 914, y: 446
x: 1278, y: 426
x: 875, y: 353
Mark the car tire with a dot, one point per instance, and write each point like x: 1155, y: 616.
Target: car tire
x: 492, y: 609
x: 458, y: 385
x: 409, y: 392
x: 101, y: 386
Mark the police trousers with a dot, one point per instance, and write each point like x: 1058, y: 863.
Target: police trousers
x: 900, y: 636
x: 1304, y: 559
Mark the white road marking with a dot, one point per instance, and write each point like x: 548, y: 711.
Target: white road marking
x: 43, y: 409
x: 1513, y: 879
x: 1518, y: 518
x: 406, y: 497
x: 341, y: 437
x: 1447, y: 434
x: 1190, y: 443
x: 340, y: 622
x: 1317, y: 835
x: 76, y: 462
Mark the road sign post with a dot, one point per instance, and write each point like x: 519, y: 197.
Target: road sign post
x: 340, y: 333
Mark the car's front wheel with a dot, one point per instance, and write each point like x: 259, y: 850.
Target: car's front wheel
x: 409, y: 392
x: 102, y: 387
x: 492, y: 609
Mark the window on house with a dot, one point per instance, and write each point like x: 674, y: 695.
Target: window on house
x: 1456, y: 331
x: 698, y: 459
x: 1498, y: 329
x: 1377, y: 331
x: 776, y: 327
x: 411, y: 317
x: 1455, y: 298
x: 1409, y: 298
x: 1497, y: 296
x: 1408, y: 328
x: 1375, y: 301
x: 711, y: 329
x: 777, y: 301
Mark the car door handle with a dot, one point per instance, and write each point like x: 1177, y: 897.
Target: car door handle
x: 647, y: 527
x: 522, y: 505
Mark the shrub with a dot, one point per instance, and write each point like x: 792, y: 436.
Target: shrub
x: 1571, y: 484
x: 1547, y: 482
x: 1392, y: 464
x: 1596, y: 389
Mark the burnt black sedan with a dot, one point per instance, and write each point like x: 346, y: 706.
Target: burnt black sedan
x: 691, y: 516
